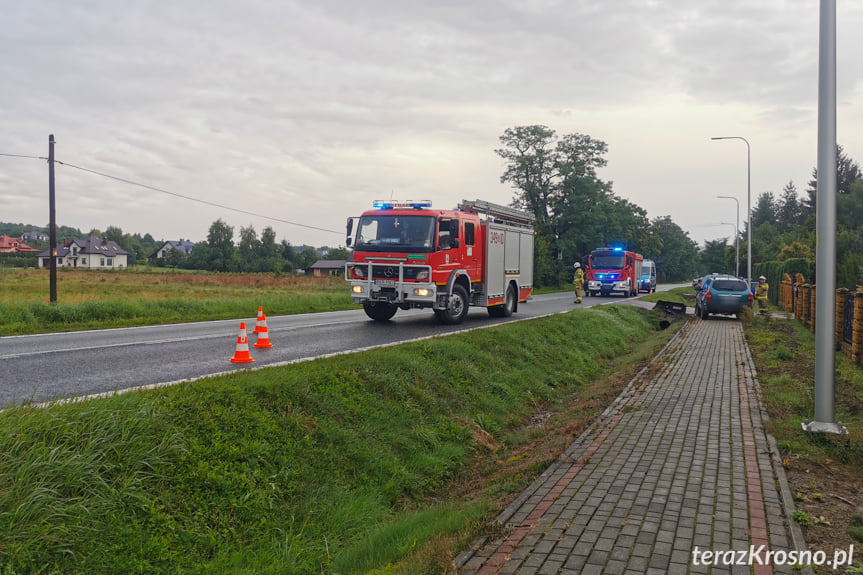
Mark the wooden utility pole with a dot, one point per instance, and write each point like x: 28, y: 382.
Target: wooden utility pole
x: 52, y: 223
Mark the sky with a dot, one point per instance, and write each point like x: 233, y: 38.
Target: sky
x: 301, y: 114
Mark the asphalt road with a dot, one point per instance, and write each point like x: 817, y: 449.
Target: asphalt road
x: 39, y: 368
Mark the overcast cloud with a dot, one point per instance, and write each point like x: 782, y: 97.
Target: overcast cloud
x: 308, y: 111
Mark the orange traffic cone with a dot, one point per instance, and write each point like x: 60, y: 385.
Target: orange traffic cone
x: 241, y: 355
x: 263, y: 335
x: 258, y: 323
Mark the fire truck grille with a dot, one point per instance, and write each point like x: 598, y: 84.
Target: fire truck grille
x: 392, y: 272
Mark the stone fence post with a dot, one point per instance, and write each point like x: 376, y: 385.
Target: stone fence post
x: 857, y: 336
x: 840, y: 316
x: 812, y: 308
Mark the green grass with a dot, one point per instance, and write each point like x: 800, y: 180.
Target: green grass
x: 786, y: 374
x: 330, y: 466
x: 104, y: 299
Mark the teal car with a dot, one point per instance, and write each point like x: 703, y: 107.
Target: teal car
x: 722, y: 295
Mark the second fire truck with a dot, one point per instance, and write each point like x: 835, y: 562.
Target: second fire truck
x: 613, y: 270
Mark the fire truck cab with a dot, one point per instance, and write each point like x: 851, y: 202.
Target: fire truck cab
x: 407, y: 255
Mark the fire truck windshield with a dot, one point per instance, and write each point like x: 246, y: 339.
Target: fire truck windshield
x: 390, y: 233
x: 607, y: 261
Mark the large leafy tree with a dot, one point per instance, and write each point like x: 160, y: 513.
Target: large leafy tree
x: 556, y: 179
x: 531, y: 167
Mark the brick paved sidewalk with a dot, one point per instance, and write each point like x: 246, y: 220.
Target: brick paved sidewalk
x: 680, y: 461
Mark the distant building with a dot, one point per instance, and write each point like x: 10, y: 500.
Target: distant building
x: 322, y: 268
x: 9, y: 245
x: 92, y: 253
x: 183, y: 245
x: 34, y: 236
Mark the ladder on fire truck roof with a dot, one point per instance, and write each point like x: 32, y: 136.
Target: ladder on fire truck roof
x: 502, y: 214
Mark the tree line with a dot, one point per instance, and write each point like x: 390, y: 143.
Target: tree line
x: 219, y: 252
x: 783, y: 227
x: 252, y: 254
x: 556, y: 179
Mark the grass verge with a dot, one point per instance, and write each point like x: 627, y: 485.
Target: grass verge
x: 334, y: 466
x: 825, y: 472
x: 104, y: 299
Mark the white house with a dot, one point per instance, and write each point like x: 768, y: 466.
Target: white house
x: 93, y: 253
x: 183, y: 245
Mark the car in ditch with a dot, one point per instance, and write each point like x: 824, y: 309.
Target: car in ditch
x: 722, y: 295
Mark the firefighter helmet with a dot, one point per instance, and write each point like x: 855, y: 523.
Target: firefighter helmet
x: 576, y: 265
x: 762, y: 278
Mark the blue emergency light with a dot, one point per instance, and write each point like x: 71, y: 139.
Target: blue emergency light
x: 389, y: 205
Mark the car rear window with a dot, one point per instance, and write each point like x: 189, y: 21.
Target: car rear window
x: 729, y: 285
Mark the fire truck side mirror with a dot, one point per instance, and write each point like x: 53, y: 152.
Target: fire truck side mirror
x: 350, y: 228
x: 453, y: 229
x: 454, y: 244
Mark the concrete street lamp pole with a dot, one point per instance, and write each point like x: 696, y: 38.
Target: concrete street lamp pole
x: 748, y: 206
x: 736, y: 236
x: 825, y: 230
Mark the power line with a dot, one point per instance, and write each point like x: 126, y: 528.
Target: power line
x: 23, y: 156
x: 155, y: 189
x: 222, y: 206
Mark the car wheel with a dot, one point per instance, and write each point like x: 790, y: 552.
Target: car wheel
x: 704, y: 313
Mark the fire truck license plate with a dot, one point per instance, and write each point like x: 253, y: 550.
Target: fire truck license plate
x: 387, y: 283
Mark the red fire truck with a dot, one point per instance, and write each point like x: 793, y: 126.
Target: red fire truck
x: 408, y: 255
x: 613, y: 270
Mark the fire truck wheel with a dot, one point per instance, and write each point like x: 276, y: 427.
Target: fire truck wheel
x: 379, y: 311
x: 508, y: 306
x: 456, y: 310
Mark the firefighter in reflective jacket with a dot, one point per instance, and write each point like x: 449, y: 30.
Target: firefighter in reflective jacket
x: 578, y: 281
x: 761, y: 295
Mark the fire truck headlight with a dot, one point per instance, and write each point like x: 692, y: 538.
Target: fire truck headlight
x: 423, y: 275
x: 422, y: 292
x: 358, y: 272
x: 357, y: 289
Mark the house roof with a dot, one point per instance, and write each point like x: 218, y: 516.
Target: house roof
x: 183, y: 245
x: 14, y: 244
x: 101, y: 246
x: 93, y: 245
x: 328, y: 265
